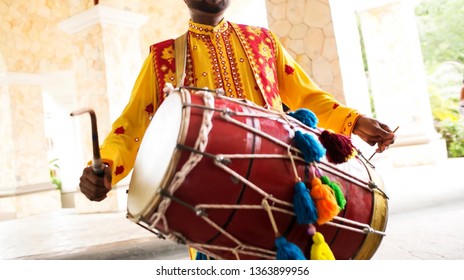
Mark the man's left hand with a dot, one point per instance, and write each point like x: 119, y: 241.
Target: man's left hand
x: 374, y: 132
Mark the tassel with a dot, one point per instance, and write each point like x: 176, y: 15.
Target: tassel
x: 305, y: 116
x: 287, y: 250
x: 339, y: 147
x: 320, y: 250
x: 339, y: 196
x: 325, y: 201
x: 305, y: 210
x: 200, y: 256
x: 311, y: 148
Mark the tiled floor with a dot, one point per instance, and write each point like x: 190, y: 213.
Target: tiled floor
x: 65, y: 231
x: 411, y: 190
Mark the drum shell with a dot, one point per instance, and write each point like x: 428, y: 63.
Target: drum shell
x: 209, y: 184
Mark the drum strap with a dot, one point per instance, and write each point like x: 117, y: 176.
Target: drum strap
x: 180, y: 47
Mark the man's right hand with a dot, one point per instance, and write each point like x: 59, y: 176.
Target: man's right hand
x: 95, y: 187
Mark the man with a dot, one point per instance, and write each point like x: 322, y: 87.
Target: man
x: 247, y: 62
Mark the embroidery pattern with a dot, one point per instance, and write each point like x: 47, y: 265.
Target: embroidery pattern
x: 260, y: 50
x: 164, y: 65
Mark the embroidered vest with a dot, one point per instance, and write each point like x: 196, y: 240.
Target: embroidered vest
x: 259, y: 46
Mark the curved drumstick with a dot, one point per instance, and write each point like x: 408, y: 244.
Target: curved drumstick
x: 376, y: 152
x: 97, y: 164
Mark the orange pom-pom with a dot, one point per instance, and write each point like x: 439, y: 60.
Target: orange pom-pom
x: 325, y: 201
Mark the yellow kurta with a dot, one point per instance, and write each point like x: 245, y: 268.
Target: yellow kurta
x: 216, y: 59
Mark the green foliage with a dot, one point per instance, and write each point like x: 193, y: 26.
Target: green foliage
x: 443, y: 109
x: 448, y: 121
x: 54, y: 168
x: 453, y: 133
x: 440, y: 25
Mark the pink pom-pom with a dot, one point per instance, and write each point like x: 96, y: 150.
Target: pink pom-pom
x: 311, y: 229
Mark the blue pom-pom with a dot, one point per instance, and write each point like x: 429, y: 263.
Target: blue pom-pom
x: 201, y: 257
x: 305, y: 116
x: 287, y: 250
x: 303, y: 205
x: 311, y: 148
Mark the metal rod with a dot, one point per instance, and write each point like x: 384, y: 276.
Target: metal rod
x: 97, y: 162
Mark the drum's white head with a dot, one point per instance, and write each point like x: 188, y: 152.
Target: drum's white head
x: 153, y: 162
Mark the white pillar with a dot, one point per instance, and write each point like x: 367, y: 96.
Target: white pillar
x: 398, y: 80
x: 26, y: 188
x: 107, y: 60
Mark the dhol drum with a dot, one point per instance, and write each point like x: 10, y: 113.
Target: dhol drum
x: 208, y: 162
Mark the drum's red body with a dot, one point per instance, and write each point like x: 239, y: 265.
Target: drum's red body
x: 208, y: 184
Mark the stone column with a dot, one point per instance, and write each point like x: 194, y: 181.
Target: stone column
x: 25, y: 187
x: 7, y: 166
x: 315, y: 35
x: 107, y: 60
x: 398, y: 80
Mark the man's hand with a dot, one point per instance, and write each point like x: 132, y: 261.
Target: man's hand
x: 95, y: 187
x: 374, y: 132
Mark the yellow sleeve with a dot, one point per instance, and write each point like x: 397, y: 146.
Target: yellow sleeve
x: 297, y: 91
x: 120, y: 147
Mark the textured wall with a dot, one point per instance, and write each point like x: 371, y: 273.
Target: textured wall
x: 306, y: 30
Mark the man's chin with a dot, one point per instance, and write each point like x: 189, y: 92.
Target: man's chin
x: 211, y: 6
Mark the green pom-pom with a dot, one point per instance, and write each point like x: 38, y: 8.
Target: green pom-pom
x: 339, y: 196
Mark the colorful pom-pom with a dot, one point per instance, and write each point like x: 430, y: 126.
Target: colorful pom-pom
x: 320, y: 250
x: 339, y: 196
x: 287, y: 250
x: 305, y: 116
x: 311, y: 230
x: 325, y: 201
x: 201, y: 257
x: 339, y: 147
x: 303, y: 205
x: 311, y: 148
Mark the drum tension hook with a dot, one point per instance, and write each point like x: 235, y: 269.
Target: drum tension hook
x: 222, y: 159
x: 365, y: 159
x: 374, y: 186
x: 198, y: 212
x: 150, y: 229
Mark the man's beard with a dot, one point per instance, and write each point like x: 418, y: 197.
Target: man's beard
x: 208, y: 6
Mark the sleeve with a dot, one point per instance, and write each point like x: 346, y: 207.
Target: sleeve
x: 297, y: 90
x: 120, y: 147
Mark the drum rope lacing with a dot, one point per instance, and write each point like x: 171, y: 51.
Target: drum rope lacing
x: 193, y: 160
x: 367, y: 185
x: 197, y: 153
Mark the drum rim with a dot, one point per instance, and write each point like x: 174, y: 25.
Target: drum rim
x: 379, y: 218
x: 171, y: 168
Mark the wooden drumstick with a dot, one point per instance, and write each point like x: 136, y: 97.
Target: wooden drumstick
x: 97, y: 164
x: 376, y: 151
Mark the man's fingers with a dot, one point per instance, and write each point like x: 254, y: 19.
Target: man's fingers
x: 100, y: 198
x: 385, y: 129
x: 93, y: 178
x: 369, y: 139
x: 92, y: 192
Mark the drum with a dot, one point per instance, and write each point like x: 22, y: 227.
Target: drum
x: 208, y: 162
